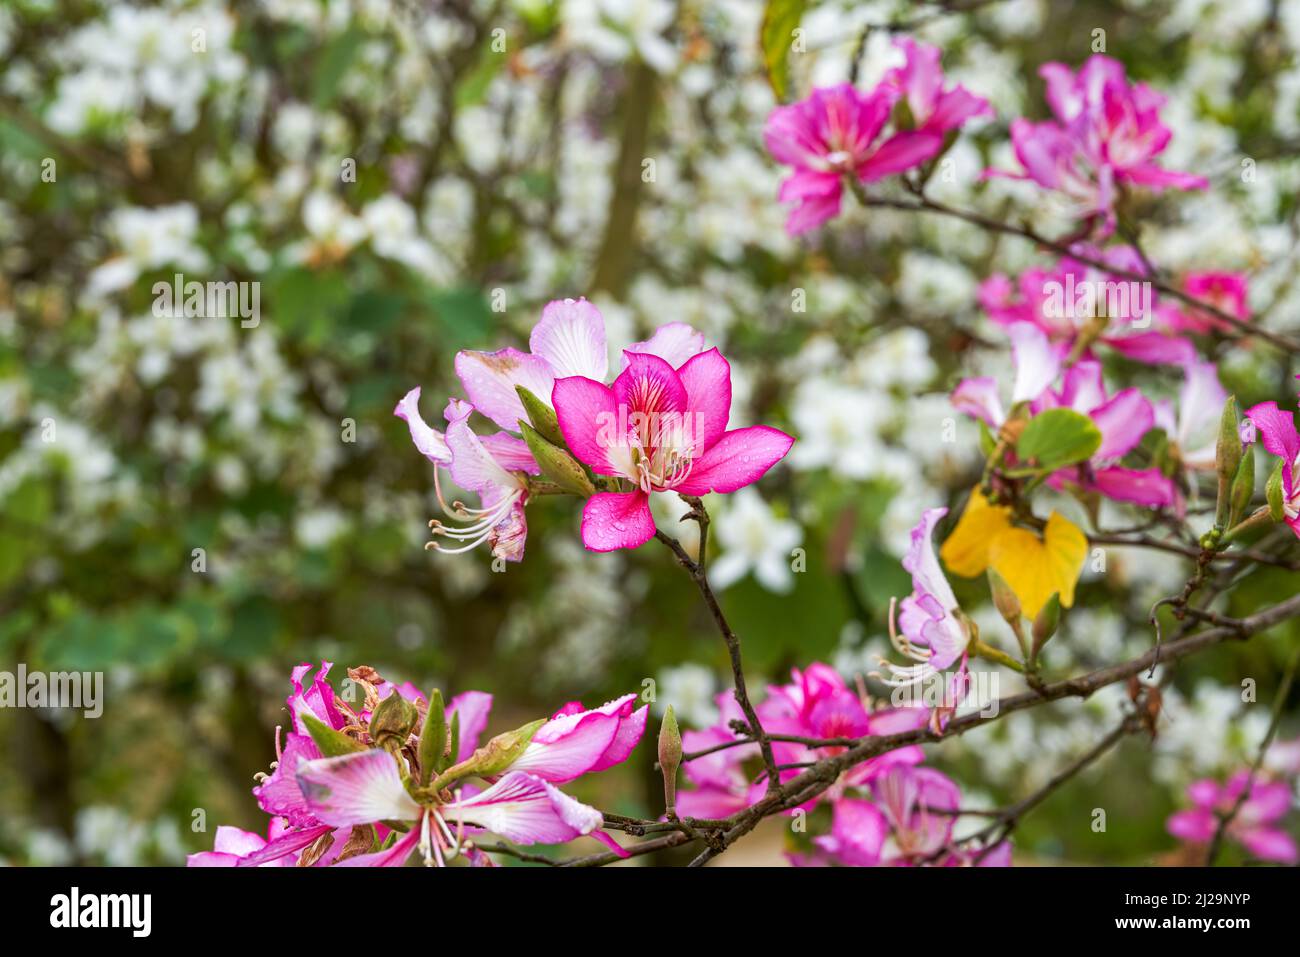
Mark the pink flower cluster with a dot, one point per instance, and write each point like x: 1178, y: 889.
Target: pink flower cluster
x: 344, y: 809
x: 1255, y: 825
x: 840, y: 131
x: 885, y: 810
x: 1106, y: 135
x: 661, y: 426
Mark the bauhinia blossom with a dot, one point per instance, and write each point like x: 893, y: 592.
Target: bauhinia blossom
x: 568, y: 340
x: 834, y: 132
x: 348, y: 787
x: 1277, y: 433
x: 1106, y: 135
x: 1079, y: 306
x: 660, y: 429
x: 1255, y: 824
x: 930, y: 630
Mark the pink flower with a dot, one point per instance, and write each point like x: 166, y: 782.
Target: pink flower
x: 311, y: 795
x: 1278, y: 434
x: 929, y: 631
x: 920, y: 79
x: 1255, y: 825
x: 1107, y: 133
x: 1067, y: 300
x: 494, y: 466
x: 1224, y: 290
x: 663, y: 429
x: 568, y: 340
x: 837, y: 131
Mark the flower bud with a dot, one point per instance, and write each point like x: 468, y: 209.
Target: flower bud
x: 1227, y: 458
x: 495, y: 756
x: 393, y: 720
x: 1276, y: 493
x: 1045, y: 625
x: 1243, y: 488
x: 1005, y: 599
x: 556, y: 464
x: 670, y: 758
x: 433, y: 738
x: 541, y: 416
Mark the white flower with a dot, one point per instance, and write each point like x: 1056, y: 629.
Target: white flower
x: 755, y: 540
x: 689, y: 689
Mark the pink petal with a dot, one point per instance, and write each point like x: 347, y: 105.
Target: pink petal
x: 707, y: 378
x: 394, y: 856
x: 1153, y: 348
x: 631, y: 729
x: 571, y: 337
x: 429, y: 441
x: 1277, y: 433
x: 318, y: 699
x: 649, y: 385
x: 739, y: 458
x: 1140, y: 486
x: 1123, y: 420
x: 568, y: 746
x: 588, y: 415
x: 510, y: 452
x: 900, y: 152
x: 286, y: 844
x: 979, y: 399
x: 526, y: 810
x: 472, y: 466
x: 357, y: 788
x: 812, y: 212
x: 1196, y: 826
x: 490, y: 378
x: 1269, y: 844
x: 614, y: 520
x: 674, y: 342
x: 922, y: 563
x: 473, y: 708
x: 280, y: 795
x: 1036, y: 362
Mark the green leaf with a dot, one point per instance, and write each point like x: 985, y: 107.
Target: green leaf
x: 780, y: 20
x: 334, y: 64
x: 332, y: 743
x: 1057, y: 438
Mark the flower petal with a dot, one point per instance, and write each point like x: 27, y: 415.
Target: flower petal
x: 707, y: 378
x: 571, y: 337
x: 674, y: 342
x: 614, y: 520
x: 490, y: 378
x: 588, y: 416
x: 739, y: 458
x: 356, y: 789
x: 473, y: 708
x: 429, y: 441
x: 526, y: 810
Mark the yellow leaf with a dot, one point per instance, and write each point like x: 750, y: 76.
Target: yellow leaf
x: 1036, y: 568
x: 966, y: 550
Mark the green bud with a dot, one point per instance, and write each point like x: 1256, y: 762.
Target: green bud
x: 670, y: 758
x: 1276, y: 494
x: 1045, y: 625
x: 393, y: 720
x: 1243, y: 488
x: 433, y: 738
x: 494, y: 757
x: 331, y: 743
x: 556, y: 464
x: 1227, y: 459
x: 1004, y: 599
x: 542, y: 417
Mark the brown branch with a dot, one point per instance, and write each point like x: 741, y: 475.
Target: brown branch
x: 698, y: 575
x: 923, y: 204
